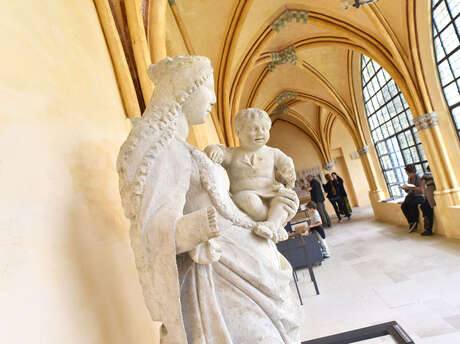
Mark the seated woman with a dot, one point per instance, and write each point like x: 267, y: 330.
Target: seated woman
x: 317, y: 226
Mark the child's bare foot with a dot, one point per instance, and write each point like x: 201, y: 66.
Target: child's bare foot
x: 281, y: 235
x: 263, y: 230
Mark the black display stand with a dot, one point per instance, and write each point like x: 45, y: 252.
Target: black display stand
x: 302, y: 251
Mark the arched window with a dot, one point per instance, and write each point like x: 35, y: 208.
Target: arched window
x: 446, y: 33
x: 390, y: 120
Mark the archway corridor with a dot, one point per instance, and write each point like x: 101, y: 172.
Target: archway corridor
x: 302, y: 63
x: 361, y: 91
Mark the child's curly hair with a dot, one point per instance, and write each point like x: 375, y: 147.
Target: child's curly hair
x: 251, y: 114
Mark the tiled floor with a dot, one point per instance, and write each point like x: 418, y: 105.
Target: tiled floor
x: 379, y: 272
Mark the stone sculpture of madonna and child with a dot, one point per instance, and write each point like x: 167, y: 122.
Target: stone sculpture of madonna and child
x: 204, y: 272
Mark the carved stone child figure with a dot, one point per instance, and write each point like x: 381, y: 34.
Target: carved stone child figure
x: 258, y: 174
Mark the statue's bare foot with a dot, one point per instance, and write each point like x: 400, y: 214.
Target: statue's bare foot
x: 263, y: 229
x: 281, y: 235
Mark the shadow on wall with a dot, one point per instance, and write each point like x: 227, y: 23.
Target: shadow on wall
x: 100, y: 251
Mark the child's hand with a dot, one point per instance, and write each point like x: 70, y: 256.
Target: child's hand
x: 215, y: 153
x: 288, y: 174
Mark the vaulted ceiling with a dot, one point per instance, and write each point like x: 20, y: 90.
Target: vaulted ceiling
x: 298, y: 60
x: 241, y: 36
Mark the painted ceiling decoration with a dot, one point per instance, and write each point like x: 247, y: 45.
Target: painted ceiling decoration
x: 288, y: 16
x: 255, y: 48
x: 282, y: 57
x: 281, y: 109
x: 356, y: 3
x: 285, y: 96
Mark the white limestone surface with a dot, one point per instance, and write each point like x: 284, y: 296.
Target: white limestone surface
x: 205, y: 272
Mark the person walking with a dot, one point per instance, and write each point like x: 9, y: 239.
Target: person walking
x: 331, y: 188
x: 428, y: 187
x: 413, y: 198
x: 317, y: 196
x: 343, y: 194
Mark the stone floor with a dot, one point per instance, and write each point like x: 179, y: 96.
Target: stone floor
x: 378, y: 273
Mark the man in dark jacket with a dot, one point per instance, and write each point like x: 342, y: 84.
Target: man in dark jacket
x: 413, y: 198
x: 317, y: 196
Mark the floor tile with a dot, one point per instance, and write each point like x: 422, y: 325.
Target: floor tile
x: 379, y: 272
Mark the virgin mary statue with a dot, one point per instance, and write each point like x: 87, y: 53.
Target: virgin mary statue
x: 205, y: 274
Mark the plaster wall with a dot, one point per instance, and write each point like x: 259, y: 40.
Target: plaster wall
x: 357, y: 185
x: 67, y: 273
x: 199, y: 135
x: 293, y: 142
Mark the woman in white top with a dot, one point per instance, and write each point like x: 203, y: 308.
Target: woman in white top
x: 317, y: 226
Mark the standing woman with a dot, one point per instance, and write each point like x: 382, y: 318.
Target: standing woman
x: 342, y: 193
x: 331, y: 188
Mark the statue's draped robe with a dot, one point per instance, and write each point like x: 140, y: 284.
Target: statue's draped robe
x: 244, y: 297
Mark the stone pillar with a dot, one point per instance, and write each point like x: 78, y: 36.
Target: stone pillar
x: 447, y: 194
x: 157, y: 30
x: 448, y: 190
x: 376, y: 193
x: 140, y: 47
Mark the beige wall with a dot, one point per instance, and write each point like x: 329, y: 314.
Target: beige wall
x: 66, y: 268
x: 295, y: 143
x: 342, y: 145
x: 199, y: 135
x: 292, y: 141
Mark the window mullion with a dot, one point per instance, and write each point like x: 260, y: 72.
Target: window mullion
x: 391, y: 105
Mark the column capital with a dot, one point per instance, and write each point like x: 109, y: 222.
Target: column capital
x: 426, y: 121
x: 363, y: 150
x: 329, y: 165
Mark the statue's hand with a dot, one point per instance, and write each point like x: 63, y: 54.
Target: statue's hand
x: 215, y: 153
x: 288, y: 175
x: 195, y: 228
x: 213, y: 230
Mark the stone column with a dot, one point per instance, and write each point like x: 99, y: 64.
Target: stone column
x: 157, y: 30
x: 376, y: 193
x: 447, y: 194
x: 140, y: 47
x: 448, y: 190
